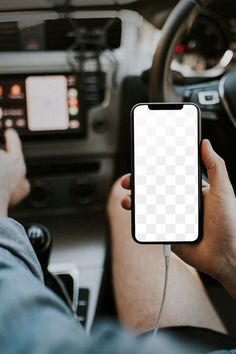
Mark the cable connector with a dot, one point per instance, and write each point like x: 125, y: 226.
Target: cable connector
x: 167, y: 253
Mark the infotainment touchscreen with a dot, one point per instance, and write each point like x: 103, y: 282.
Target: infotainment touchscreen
x: 41, y: 104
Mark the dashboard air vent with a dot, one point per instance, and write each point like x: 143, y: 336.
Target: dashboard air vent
x: 60, y: 34
x: 9, y: 37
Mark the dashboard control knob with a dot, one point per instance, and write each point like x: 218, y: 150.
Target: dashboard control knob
x: 40, y: 195
x: 83, y: 191
x: 100, y: 125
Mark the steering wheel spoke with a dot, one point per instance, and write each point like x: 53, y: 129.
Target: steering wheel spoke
x: 206, y: 96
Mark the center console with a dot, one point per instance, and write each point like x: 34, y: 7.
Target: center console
x: 68, y: 125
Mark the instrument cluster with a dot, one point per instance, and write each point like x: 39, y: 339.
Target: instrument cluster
x: 209, y: 44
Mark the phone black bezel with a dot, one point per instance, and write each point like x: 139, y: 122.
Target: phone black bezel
x: 167, y: 106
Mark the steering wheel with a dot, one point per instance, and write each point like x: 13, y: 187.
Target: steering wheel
x: 215, y: 95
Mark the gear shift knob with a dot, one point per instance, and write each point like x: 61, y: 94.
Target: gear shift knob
x: 41, y: 241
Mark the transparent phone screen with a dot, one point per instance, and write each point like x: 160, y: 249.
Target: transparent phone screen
x: 166, y: 174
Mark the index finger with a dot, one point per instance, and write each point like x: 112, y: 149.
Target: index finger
x: 13, y: 143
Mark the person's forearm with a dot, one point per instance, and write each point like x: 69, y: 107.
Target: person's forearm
x: 228, y: 275
x: 4, y: 197
x: 15, y: 242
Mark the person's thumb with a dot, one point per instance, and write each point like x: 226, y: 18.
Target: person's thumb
x: 216, y: 169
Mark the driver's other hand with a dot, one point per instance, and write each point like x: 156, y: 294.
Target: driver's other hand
x: 13, y: 183
x: 215, y: 254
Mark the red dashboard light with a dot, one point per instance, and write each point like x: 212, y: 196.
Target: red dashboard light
x: 180, y: 48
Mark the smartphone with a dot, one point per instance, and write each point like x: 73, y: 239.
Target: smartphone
x: 166, y: 173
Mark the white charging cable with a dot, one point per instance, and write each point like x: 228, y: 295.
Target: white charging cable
x: 167, y: 255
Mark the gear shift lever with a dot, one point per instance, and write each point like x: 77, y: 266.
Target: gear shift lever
x: 41, y: 240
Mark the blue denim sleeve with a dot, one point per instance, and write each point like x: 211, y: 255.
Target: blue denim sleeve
x: 33, y: 320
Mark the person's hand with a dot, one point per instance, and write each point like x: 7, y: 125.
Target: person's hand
x: 13, y: 184
x: 215, y: 254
